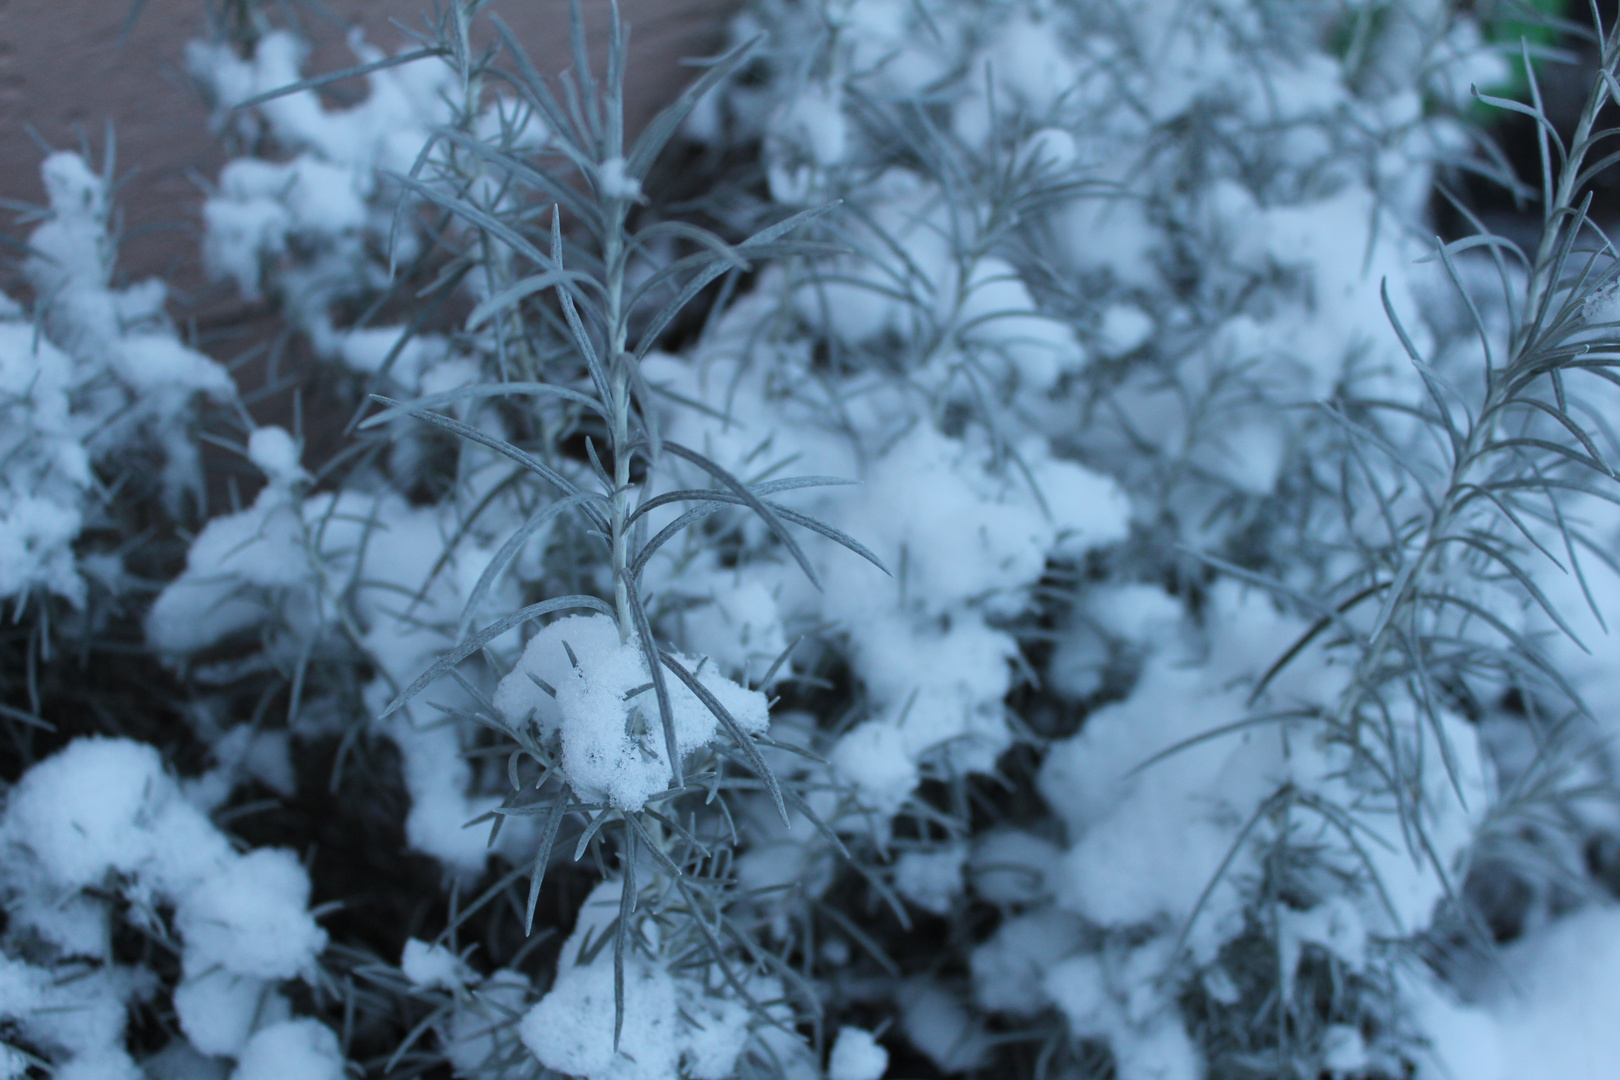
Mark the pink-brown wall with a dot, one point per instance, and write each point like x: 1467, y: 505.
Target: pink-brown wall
x: 67, y: 66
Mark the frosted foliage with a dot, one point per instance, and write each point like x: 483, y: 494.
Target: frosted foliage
x: 1115, y: 998
x: 1094, y: 277
x: 605, y: 712
x: 104, y: 813
x: 99, y: 371
x: 308, y: 224
x: 479, y: 1029
x: 1148, y: 841
x: 965, y: 538
x: 280, y: 569
x: 671, y: 1025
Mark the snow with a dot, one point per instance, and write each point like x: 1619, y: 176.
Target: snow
x: 1146, y: 844
x: 97, y: 371
x: 967, y: 533
x: 1344, y: 1050
x: 276, y: 455
x: 181, y: 1061
x: 367, y: 349
x: 737, y: 622
x: 874, y: 758
x: 107, y: 804
x: 814, y: 119
x: 282, y: 569
x: 251, y: 918
x: 997, y: 313
x: 104, y: 811
x: 480, y: 1028
x: 856, y: 1055
x: 606, y: 714
x: 218, y: 1010
x: 613, y: 182
x: 71, y: 269
x: 1549, y: 1015
x: 1009, y: 967
x: 36, y: 537
x: 433, y: 966
x: 887, y: 39
x: 571, y: 1028
x: 307, y: 217
x: 291, y: 1050
x: 1125, y: 328
x: 1118, y: 998
x: 1149, y: 838
x: 931, y: 879
x: 715, y: 1039
x: 1335, y: 924
x: 234, y: 558
x: 936, y: 1021
x: 1603, y: 305
x: 903, y: 246
x: 150, y: 363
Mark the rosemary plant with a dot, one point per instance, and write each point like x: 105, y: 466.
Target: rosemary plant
x: 671, y: 876
x: 1236, y: 707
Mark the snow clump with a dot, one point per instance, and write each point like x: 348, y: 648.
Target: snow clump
x: 586, y: 687
x: 96, y: 375
x: 102, y: 823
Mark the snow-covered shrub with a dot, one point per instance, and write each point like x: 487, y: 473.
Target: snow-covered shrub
x: 1047, y: 569
x: 94, y: 376
x: 100, y: 840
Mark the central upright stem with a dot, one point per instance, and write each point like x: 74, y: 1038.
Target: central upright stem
x: 618, y: 364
